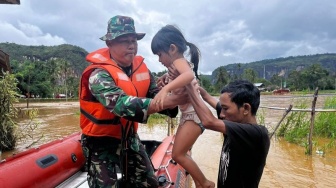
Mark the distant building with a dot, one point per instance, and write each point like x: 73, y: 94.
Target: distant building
x: 260, y: 86
x: 4, y: 62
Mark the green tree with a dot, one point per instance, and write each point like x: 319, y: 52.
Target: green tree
x: 34, y: 79
x: 250, y: 75
x: 276, y: 80
x: 64, y: 67
x: 312, y: 74
x: 239, y: 75
x: 8, y: 112
x: 221, y: 79
x: 205, y: 83
x: 73, y: 84
x: 295, y: 80
x: 42, y: 85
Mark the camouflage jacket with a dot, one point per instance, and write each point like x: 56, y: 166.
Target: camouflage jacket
x: 114, y: 99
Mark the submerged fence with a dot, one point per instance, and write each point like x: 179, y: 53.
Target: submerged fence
x: 312, y: 110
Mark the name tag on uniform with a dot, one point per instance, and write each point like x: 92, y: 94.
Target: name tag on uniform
x: 142, y: 76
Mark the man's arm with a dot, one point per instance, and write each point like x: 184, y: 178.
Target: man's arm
x: 170, y: 107
x: 169, y: 102
x: 208, y: 98
x: 114, y: 99
x: 211, y: 101
x: 208, y: 120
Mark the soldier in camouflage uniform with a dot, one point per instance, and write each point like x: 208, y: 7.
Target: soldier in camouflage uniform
x: 116, y: 93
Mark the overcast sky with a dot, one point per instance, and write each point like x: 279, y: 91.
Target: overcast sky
x: 226, y: 31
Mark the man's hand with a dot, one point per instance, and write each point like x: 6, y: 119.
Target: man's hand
x: 171, y: 101
x: 162, y: 81
x: 205, y: 115
x: 172, y: 72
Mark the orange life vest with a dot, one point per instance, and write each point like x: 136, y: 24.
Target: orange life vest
x: 95, y: 119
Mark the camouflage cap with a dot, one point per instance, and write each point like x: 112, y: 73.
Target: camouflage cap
x: 120, y: 25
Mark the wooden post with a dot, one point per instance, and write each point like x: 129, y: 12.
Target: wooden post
x: 283, y: 117
x: 312, y: 118
x: 171, y: 126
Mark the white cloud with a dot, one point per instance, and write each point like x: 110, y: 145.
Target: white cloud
x: 27, y: 34
x: 30, y: 30
x: 231, y: 31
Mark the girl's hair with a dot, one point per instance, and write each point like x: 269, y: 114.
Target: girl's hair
x: 170, y: 34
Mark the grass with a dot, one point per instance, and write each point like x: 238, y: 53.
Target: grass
x: 296, y: 126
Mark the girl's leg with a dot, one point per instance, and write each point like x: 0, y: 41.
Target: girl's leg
x: 186, y: 136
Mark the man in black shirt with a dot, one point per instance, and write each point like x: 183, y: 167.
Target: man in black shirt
x: 246, y: 143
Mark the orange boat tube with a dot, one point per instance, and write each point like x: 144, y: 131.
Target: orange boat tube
x: 169, y: 173
x: 45, y: 166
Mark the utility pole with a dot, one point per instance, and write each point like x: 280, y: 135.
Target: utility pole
x: 66, y: 87
x: 28, y: 96
x: 28, y: 88
x: 264, y: 72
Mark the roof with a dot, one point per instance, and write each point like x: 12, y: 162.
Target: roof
x: 258, y: 84
x: 10, y: 2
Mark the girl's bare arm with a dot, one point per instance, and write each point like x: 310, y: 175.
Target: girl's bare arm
x: 185, y: 77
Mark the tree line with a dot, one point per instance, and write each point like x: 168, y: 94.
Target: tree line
x: 45, y: 79
x: 46, y: 71
x: 297, y: 80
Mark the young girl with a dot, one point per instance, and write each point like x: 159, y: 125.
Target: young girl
x: 169, y: 44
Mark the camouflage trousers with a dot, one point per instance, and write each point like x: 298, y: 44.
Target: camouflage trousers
x: 104, y: 159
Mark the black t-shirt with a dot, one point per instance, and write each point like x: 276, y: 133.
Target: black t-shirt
x: 243, y: 156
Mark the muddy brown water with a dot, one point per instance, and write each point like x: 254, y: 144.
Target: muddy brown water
x: 286, y: 166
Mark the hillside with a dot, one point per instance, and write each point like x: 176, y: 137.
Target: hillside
x: 283, y: 66
x: 74, y: 54
x: 265, y: 68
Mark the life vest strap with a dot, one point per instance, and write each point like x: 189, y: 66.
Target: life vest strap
x: 114, y: 121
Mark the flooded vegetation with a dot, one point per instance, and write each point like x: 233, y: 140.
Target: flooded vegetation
x: 287, y: 164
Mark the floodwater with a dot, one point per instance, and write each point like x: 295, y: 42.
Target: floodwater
x: 286, y: 166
